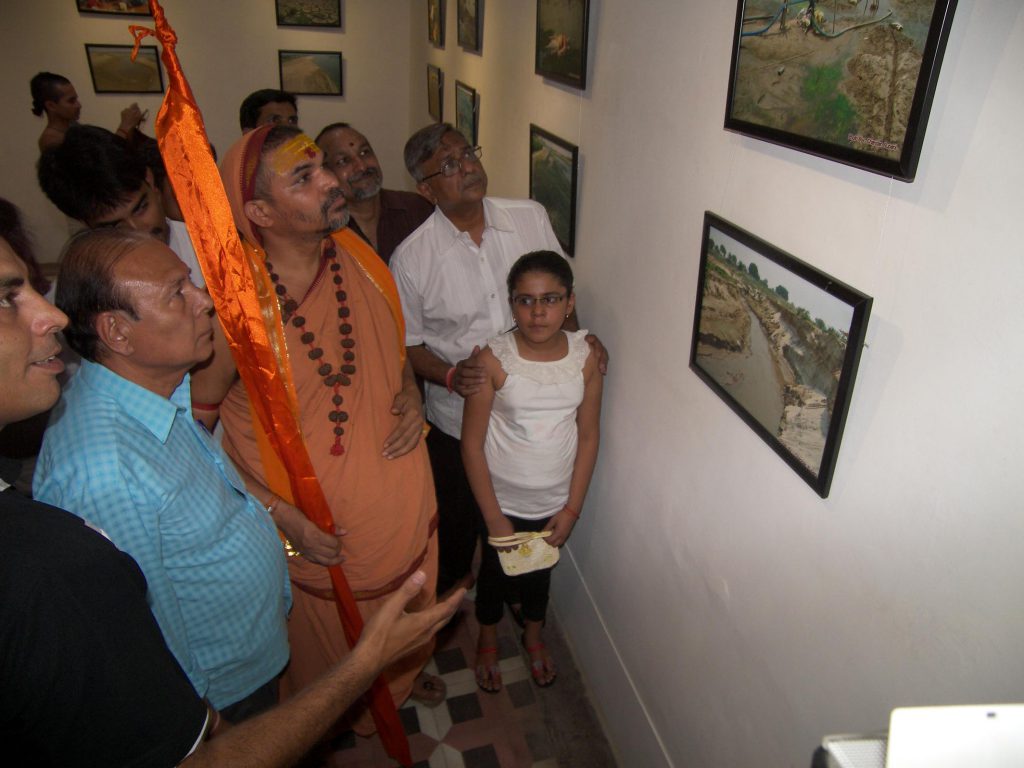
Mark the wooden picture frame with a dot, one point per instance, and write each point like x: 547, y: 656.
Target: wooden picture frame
x: 780, y: 342
x: 311, y: 73
x: 850, y: 81
x: 470, y: 24
x: 113, y: 71
x: 435, y: 93
x: 554, y: 170
x: 308, y: 13
x: 467, y: 112
x: 114, y: 8
x: 435, y: 22
x: 561, y: 41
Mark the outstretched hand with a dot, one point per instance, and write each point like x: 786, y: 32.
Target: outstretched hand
x: 131, y: 117
x: 469, y: 374
x: 392, y: 632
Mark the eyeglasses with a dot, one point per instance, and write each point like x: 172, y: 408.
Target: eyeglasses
x: 547, y: 300
x: 453, y: 165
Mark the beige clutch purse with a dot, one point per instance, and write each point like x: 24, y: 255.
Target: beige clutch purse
x: 529, y: 552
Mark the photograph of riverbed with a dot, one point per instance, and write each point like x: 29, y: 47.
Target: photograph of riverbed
x: 774, y: 342
x: 844, y: 72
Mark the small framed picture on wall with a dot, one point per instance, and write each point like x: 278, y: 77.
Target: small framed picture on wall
x: 467, y: 113
x: 310, y: 73
x: 470, y: 25
x: 112, y: 7
x: 435, y: 22
x: 435, y: 92
x: 554, y: 166
x: 308, y: 13
x: 561, y: 53
x: 113, y: 70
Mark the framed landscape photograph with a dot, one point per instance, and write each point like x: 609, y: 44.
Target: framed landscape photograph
x: 561, y: 53
x: 435, y: 22
x: 113, y: 70
x: 470, y: 24
x: 847, y: 80
x: 308, y: 13
x: 310, y: 73
x: 554, y: 166
x: 122, y: 8
x: 435, y: 92
x: 780, y: 343
x: 467, y: 114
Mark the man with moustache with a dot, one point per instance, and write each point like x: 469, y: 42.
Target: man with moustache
x: 382, y: 217
x: 267, y: 106
x: 451, y: 276
x: 95, y: 177
x: 338, y: 323
x: 124, y: 453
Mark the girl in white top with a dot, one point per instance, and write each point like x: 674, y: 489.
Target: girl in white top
x: 529, y: 443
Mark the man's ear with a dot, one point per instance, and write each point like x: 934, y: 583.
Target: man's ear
x: 424, y: 189
x: 258, y: 212
x: 115, y: 332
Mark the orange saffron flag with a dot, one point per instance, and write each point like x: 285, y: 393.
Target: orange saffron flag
x: 229, y: 273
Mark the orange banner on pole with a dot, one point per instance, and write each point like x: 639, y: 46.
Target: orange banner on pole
x: 230, y: 268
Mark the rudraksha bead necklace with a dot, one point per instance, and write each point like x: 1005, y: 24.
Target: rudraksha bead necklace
x: 332, y: 379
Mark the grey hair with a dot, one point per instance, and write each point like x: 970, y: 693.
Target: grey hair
x: 422, y: 145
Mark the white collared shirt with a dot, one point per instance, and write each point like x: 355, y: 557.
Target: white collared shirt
x: 454, y: 293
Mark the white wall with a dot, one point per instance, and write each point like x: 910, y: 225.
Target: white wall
x: 724, y: 615
x: 228, y: 50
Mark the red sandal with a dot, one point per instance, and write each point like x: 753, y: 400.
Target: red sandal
x: 540, y: 661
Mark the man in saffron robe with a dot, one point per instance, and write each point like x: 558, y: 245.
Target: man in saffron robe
x: 341, y: 336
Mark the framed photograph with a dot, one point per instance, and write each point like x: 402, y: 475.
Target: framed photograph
x: 554, y: 165
x: 122, y: 8
x: 435, y: 22
x: 847, y: 80
x: 471, y: 24
x: 467, y: 112
x: 113, y: 70
x: 435, y: 92
x: 310, y: 73
x: 308, y: 13
x: 562, y: 41
x: 780, y: 343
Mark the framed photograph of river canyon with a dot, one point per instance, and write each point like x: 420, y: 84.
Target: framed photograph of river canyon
x: 779, y: 341
x: 846, y: 80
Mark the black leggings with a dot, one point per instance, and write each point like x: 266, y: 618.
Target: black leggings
x: 492, y: 585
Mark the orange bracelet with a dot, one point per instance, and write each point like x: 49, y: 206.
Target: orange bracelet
x: 571, y: 511
x: 449, y: 379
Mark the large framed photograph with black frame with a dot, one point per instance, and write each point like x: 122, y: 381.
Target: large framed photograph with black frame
x: 846, y: 80
x: 779, y: 341
x: 554, y: 168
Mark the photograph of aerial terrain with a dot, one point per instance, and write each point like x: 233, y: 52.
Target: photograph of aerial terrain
x: 553, y: 166
x: 779, y: 341
x: 841, y: 78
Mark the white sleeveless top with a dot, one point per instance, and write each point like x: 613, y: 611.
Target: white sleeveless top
x: 531, y: 438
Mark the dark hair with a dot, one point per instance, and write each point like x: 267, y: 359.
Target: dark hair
x: 548, y: 262
x: 85, y: 282
x: 422, y: 145
x: 332, y: 127
x: 44, y: 88
x: 249, y: 112
x: 276, y: 136
x: 91, y: 172
x: 12, y: 230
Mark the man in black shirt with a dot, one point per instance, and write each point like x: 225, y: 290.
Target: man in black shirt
x: 85, y: 675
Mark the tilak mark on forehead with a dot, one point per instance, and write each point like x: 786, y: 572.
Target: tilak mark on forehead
x: 293, y: 151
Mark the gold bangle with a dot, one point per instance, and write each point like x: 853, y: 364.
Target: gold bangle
x: 289, y: 550
x: 273, y: 505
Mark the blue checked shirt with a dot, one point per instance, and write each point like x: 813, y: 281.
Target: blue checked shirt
x: 138, y: 466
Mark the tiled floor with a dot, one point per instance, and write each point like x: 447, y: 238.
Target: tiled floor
x: 522, y: 726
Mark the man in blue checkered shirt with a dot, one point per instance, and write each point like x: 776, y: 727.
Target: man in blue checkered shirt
x: 123, y: 452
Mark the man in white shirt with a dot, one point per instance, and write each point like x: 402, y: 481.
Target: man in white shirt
x: 96, y: 177
x: 451, y: 275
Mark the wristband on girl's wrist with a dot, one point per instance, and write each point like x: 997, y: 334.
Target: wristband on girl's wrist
x: 572, y: 512
x: 449, y: 379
